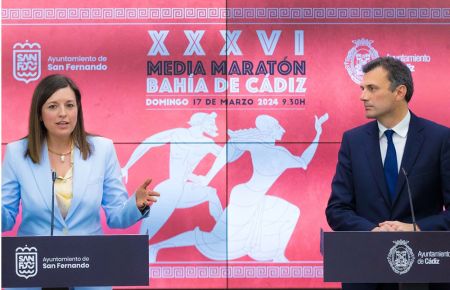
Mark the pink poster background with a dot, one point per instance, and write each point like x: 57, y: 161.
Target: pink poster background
x: 114, y: 101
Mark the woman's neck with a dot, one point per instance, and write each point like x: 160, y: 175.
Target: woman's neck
x: 60, y: 145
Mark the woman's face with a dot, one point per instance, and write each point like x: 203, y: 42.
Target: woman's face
x: 59, y: 113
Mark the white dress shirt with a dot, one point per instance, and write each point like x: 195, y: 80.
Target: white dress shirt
x: 399, y: 138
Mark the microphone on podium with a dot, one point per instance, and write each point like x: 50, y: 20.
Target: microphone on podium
x: 52, y: 223
x: 410, y: 200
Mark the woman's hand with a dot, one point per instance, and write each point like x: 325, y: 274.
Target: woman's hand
x: 145, y: 197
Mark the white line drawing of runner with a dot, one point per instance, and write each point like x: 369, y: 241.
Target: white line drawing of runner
x: 254, y: 223
x: 188, y: 146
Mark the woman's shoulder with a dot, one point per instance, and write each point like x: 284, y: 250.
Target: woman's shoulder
x: 98, y: 142
x: 99, y: 139
x: 17, y: 145
x: 16, y: 150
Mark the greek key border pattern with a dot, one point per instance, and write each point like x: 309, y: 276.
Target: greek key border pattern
x: 250, y: 272
x: 223, y: 13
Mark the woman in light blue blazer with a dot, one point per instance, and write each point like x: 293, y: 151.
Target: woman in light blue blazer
x: 87, y: 171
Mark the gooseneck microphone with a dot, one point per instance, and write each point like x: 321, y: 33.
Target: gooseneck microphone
x: 410, y: 200
x: 52, y: 223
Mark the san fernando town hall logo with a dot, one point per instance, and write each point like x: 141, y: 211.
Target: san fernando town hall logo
x: 401, y: 257
x: 26, y: 262
x: 26, y: 61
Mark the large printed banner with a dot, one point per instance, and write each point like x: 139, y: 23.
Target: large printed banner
x: 235, y: 109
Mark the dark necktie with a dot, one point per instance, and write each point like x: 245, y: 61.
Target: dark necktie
x: 390, y: 164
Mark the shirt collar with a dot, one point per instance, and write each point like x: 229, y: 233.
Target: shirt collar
x: 401, y: 128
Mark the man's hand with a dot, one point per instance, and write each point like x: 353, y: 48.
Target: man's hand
x: 384, y: 228
x: 395, y: 226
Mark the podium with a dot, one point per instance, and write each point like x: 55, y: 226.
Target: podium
x: 407, y: 258
x: 67, y: 261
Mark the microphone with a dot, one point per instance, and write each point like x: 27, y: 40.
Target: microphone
x: 410, y: 200
x: 52, y: 223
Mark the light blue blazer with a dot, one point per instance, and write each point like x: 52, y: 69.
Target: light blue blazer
x: 96, y: 183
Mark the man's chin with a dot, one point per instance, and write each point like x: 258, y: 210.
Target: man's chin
x: 370, y: 115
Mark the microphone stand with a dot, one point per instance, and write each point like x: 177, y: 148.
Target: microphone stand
x: 52, y: 223
x: 411, y: 205
x: 411, y: 286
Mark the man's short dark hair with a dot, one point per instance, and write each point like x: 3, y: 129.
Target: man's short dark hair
x: 398, y: 73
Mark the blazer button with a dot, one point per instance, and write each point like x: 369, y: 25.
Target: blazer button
x: 65, y: 231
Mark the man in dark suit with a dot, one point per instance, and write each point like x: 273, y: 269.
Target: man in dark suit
x: 368, y: 189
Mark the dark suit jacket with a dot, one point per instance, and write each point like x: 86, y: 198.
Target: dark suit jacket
x: 360, y: 199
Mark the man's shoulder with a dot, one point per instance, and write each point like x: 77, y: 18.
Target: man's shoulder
x: 362, y: 130
x: 429, y: 125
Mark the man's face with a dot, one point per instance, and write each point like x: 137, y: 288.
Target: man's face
x: 379, y: 101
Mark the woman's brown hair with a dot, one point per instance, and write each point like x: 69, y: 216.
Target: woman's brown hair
x: 36, y: 129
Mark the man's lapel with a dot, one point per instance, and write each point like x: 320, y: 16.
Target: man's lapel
x: 413, y: 146
x: 373, y: 153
